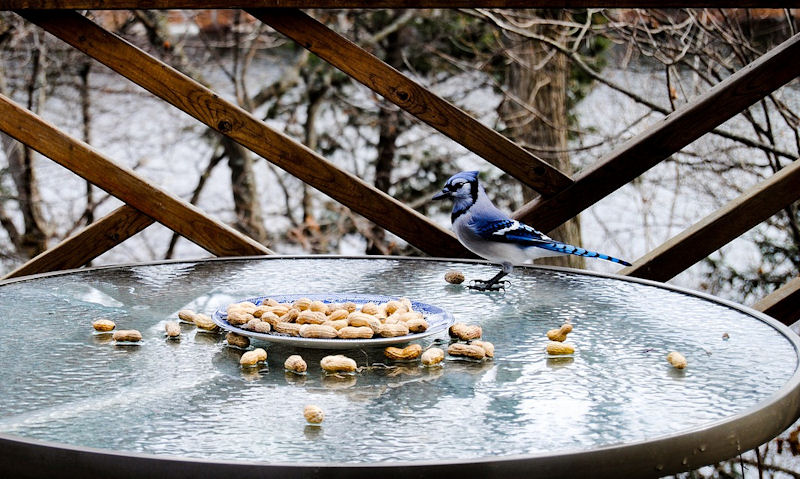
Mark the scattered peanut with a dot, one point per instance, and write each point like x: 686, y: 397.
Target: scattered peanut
x: 103, y: 325
x: 186, y: 315
x: 204, y: 322
x: 262, y: 355
x: 467, y: 350
x: 313, y: 414
x: 488, y: 347
x: 131, y: 335
x: 295, y: 364
x: 173, y: 329
x: 412, y: 351
x: 252, y: 358
x: 237, y: 340
x: 338, y: 364
x: 454, y: 277
x: 556, y: 348
x: 465, y: 332
x: 677, y: 360
x: 560, y: 334
x: 432, y: 357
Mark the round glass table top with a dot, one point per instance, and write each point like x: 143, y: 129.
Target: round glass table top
x: 615, y: 404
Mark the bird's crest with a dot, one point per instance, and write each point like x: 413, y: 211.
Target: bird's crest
x: 469, y: 176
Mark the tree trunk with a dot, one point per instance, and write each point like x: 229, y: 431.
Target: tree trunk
x: 249, y: 219
x: 20, y: 161
x: 389, y: 119
x: 537, y: 77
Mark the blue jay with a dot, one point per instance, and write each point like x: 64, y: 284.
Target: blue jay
x: 493, y: 235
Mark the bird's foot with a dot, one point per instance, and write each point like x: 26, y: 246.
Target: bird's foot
x: 488, y: 285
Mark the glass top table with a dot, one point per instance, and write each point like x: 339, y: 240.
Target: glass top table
x: 74, y: 403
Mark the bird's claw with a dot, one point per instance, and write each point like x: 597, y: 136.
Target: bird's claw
x: 485, y: 285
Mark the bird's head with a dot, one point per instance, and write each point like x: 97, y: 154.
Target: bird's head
x: 461, y: 186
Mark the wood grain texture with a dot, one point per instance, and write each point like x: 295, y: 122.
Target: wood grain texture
x: 192, y: 4
x: 720, y: 227
x: 783, y: 304
x: 756, y: 80
x: 180, y: 216
x: 89, y: 243
x: 244, y: 128
x: 415, y: 99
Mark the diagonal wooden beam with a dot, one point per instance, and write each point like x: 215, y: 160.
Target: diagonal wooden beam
x: 720, y: 227
x: 203, y: 104
x: 414, y: 98
x: 187, y: 4
x: 89, y: 243
x: 178, y: 215
x: 783, y: 304
x: 722, y: 102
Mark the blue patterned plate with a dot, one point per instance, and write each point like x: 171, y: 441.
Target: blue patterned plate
x: 438, y: 320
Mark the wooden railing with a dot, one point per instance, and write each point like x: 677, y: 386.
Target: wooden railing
x: 561, y: 197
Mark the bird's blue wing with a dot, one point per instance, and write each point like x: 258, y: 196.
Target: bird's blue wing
x: 512, y: 231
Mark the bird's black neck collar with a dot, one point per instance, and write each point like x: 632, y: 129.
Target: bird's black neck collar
x: 457, y: 212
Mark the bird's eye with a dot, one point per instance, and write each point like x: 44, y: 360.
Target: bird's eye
x: 455, y: 186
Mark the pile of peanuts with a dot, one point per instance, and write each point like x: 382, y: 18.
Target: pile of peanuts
x: 317, y: 319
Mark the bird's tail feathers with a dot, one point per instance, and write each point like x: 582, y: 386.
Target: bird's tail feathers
x: 569, y: 249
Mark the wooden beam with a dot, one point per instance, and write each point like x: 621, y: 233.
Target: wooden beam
x: 720, y: 227
x: 192, y: 4
x: 89, y: 243
x: 415, y: 99
x: 783, y: 304
x: 725, y: 100
x: 178, y: 215
x: 244, y: 128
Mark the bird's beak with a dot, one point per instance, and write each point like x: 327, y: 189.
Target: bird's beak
x: 441, y: 195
